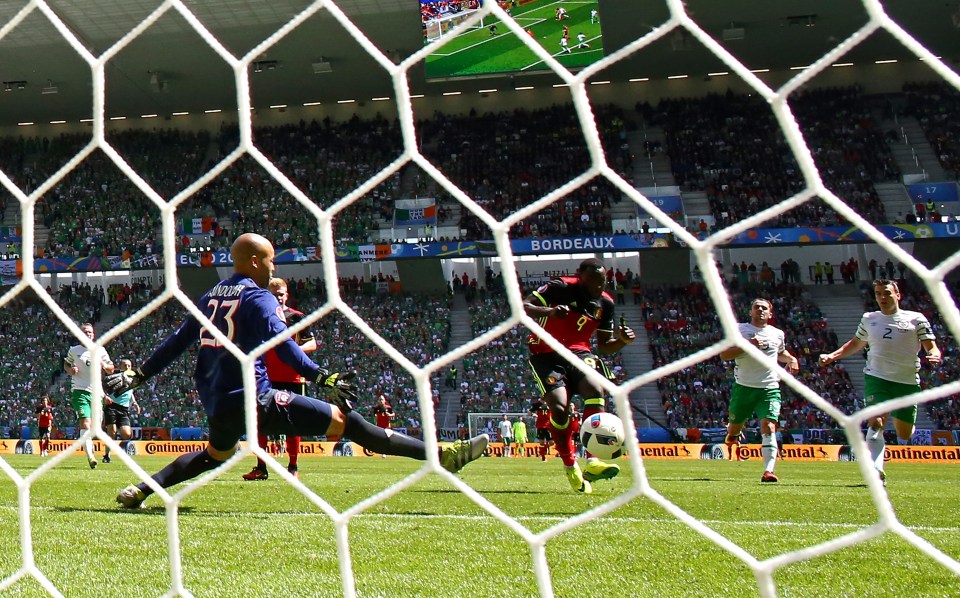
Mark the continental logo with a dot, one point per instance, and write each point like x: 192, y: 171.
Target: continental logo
x: 171, y: 448
x: 921, y: 453
x: 799, y: 452
x: 675, y: 451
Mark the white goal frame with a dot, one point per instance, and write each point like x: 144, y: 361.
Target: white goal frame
x: 473, y: 418
x: 444, y: 26
x: 764, y: 569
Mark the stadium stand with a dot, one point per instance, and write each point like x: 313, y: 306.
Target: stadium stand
x: 730, y: 147
x: 490, y: 157
x: 936, y: 106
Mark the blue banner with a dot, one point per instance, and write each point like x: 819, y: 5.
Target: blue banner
x: 936, y: 192
x: 554, y: 245
x: 841, y: 234
x: 401, y: 251
x: 668, y: 203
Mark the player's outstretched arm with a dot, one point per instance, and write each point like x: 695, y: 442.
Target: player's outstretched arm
x: 850, y: 347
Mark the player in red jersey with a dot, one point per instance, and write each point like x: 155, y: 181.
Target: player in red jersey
x: 44, y: 423
x: 572, y: 310
x: 284, y: 377
x: 383, y: 413
x: 541, y: 411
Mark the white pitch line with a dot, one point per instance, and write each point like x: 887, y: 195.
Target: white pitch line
x: 555, y: 518
x: 619, y: 520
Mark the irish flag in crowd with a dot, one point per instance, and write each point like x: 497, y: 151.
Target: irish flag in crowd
x: 407, y: 212
x: 196, y: 226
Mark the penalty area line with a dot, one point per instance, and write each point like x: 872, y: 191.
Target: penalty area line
x: 659, y: 520
x: 557, y: 518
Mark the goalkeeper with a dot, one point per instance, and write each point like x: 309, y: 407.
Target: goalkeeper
x: 247, y: 314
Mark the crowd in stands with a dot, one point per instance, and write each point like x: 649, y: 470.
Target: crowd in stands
x: 732, y: 148
x: 31, y: 356
x: 507, y: 160
x: 935, y: 106
x: 681, y: 320
x: 848, y: 146
x: 95, y: 210
x: 729, y: 146
x: 324, y: 160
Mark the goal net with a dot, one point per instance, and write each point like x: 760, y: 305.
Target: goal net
x: 437, y: 28
x: 488, y: 423
x: 642, y: 486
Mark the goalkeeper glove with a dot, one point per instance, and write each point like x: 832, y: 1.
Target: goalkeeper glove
x: 342, y: 392
x: 120, y: 382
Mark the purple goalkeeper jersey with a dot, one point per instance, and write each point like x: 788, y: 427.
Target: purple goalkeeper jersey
x: 247, y: 315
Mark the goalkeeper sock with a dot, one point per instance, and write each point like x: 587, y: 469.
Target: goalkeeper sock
x: 293, y: 449
x: 876, y: 444
x: 263, y: 441
x: 768, y: 450
x: 184, y: 467
x: 381, y: 440
x: 563, y: 439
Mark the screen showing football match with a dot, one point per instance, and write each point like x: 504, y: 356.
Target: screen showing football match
x: 569, y: 30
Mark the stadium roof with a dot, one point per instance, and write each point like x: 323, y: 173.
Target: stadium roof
x: 169, y: 68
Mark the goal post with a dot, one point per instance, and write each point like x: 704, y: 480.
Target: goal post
x: 437, y: 28
x: 485, y: 423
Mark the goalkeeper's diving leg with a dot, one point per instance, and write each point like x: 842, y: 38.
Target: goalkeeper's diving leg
x: 287, y: 413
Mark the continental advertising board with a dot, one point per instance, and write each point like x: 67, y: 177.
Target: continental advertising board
x: 716, y: 451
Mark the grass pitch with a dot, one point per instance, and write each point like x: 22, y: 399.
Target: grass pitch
x: 265, y: 539
x: 478, y: 52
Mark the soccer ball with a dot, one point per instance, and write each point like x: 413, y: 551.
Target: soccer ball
x: 602, y: 435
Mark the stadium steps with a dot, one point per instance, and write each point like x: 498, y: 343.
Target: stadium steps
x: 914, y: 155
x: 637, y: 360
x: 460, y: 334
x: 842, y: 306
x: 656, y: 170
x: 11, y: 218
x: 11, y: 215
x: 896, y: 202
x: 696, y: 206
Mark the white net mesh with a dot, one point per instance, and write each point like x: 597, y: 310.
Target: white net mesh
x: 704, y: 250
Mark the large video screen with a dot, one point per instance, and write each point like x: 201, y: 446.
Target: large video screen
x: 569, y: 30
